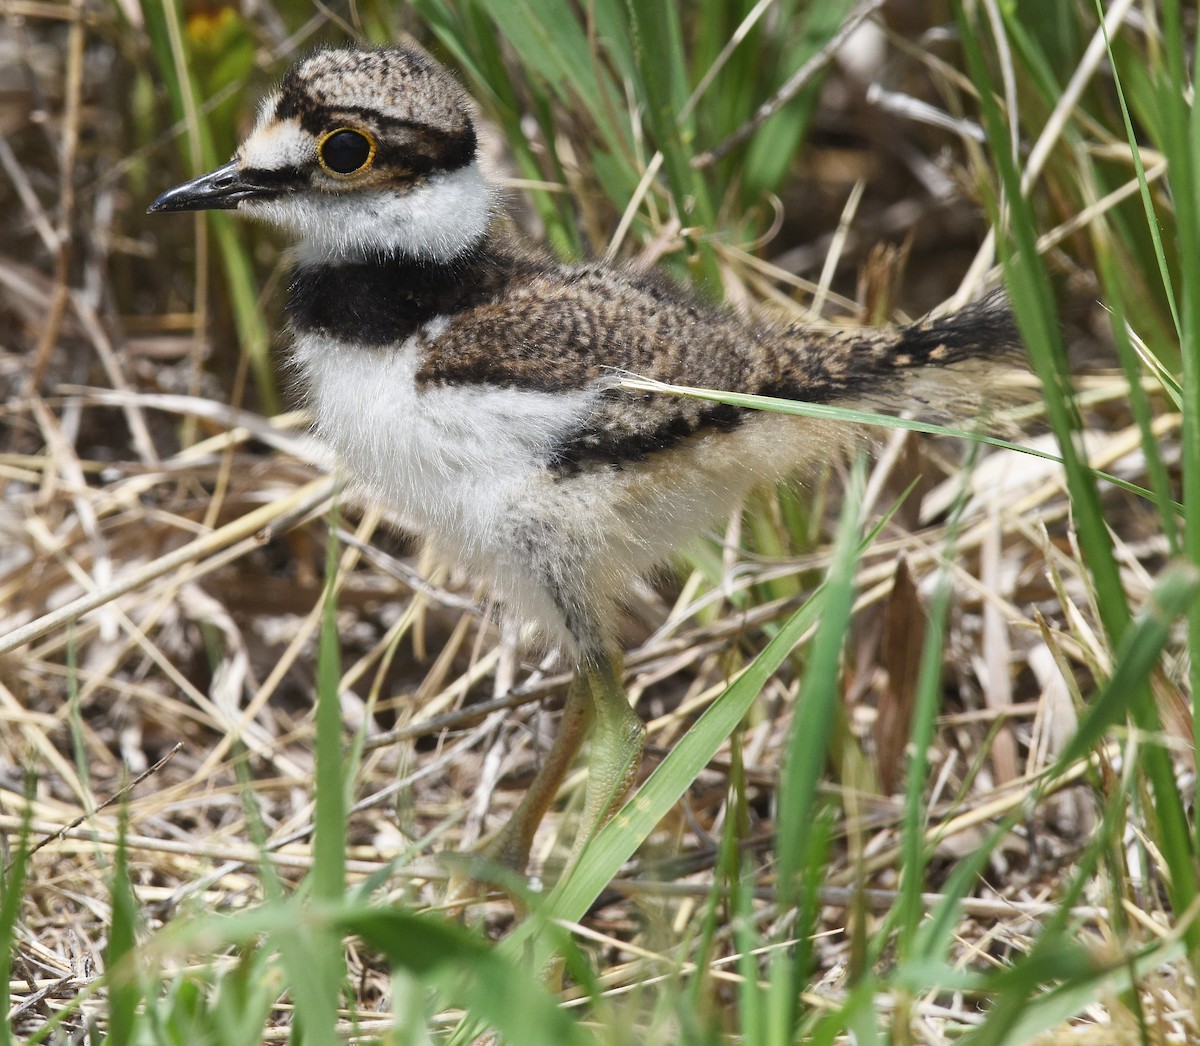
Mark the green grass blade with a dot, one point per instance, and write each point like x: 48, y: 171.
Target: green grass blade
x: 120, y: 957
x: 771, y: 152
x: 503, y: 994
x: 853, y: 416
x: 1138, y: 654
x: 806, y: 757
x: 751, y: 1008
x: 313, y: 956
x: 1057, y: 957
x: 662, y: 83
x: 1029, y: 286
x: 910, y: 905
x: 616, y: 842
x: 730, y: 870
x: 12, y: 883
x: 1115, y: 287
x: 1181, y: 119
x: 1139, y: 403
x: 1135, y: 153
x: 1090, y: 980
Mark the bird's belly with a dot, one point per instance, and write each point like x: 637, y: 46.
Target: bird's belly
x: 451, y: 460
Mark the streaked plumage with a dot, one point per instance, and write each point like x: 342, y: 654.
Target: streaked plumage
x: 468, y: 381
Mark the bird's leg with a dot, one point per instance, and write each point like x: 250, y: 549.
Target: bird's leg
x: 595, y: 700
x: 618, y: 738
x: 510, y: 847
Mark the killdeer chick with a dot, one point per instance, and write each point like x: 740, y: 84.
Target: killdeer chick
x: 468, y: 382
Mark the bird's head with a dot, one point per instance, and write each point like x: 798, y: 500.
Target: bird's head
x: 360, y: 153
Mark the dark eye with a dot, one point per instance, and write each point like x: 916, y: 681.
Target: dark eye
x: 346, y: 151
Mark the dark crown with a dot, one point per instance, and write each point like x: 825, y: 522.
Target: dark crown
x: 400, y: 93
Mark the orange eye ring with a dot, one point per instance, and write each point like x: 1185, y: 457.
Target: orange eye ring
x: 346, y: 151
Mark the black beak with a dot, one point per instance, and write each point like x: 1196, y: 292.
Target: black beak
x: 219, y: 190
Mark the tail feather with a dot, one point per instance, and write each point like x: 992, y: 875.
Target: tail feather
x: 961, y: 366
x: 984, y: 330
x: 877, y: 364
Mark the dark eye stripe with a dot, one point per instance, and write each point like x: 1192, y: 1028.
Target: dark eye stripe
x: 275, y: 179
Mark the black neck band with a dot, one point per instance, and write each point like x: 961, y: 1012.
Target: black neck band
x: 386, y: 300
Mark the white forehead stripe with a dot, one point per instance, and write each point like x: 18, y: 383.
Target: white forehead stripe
x: 277, y: 144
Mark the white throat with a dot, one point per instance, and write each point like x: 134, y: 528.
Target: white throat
x: 435, y: 220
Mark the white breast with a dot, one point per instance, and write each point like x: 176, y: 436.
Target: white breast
x: 450, y: 460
